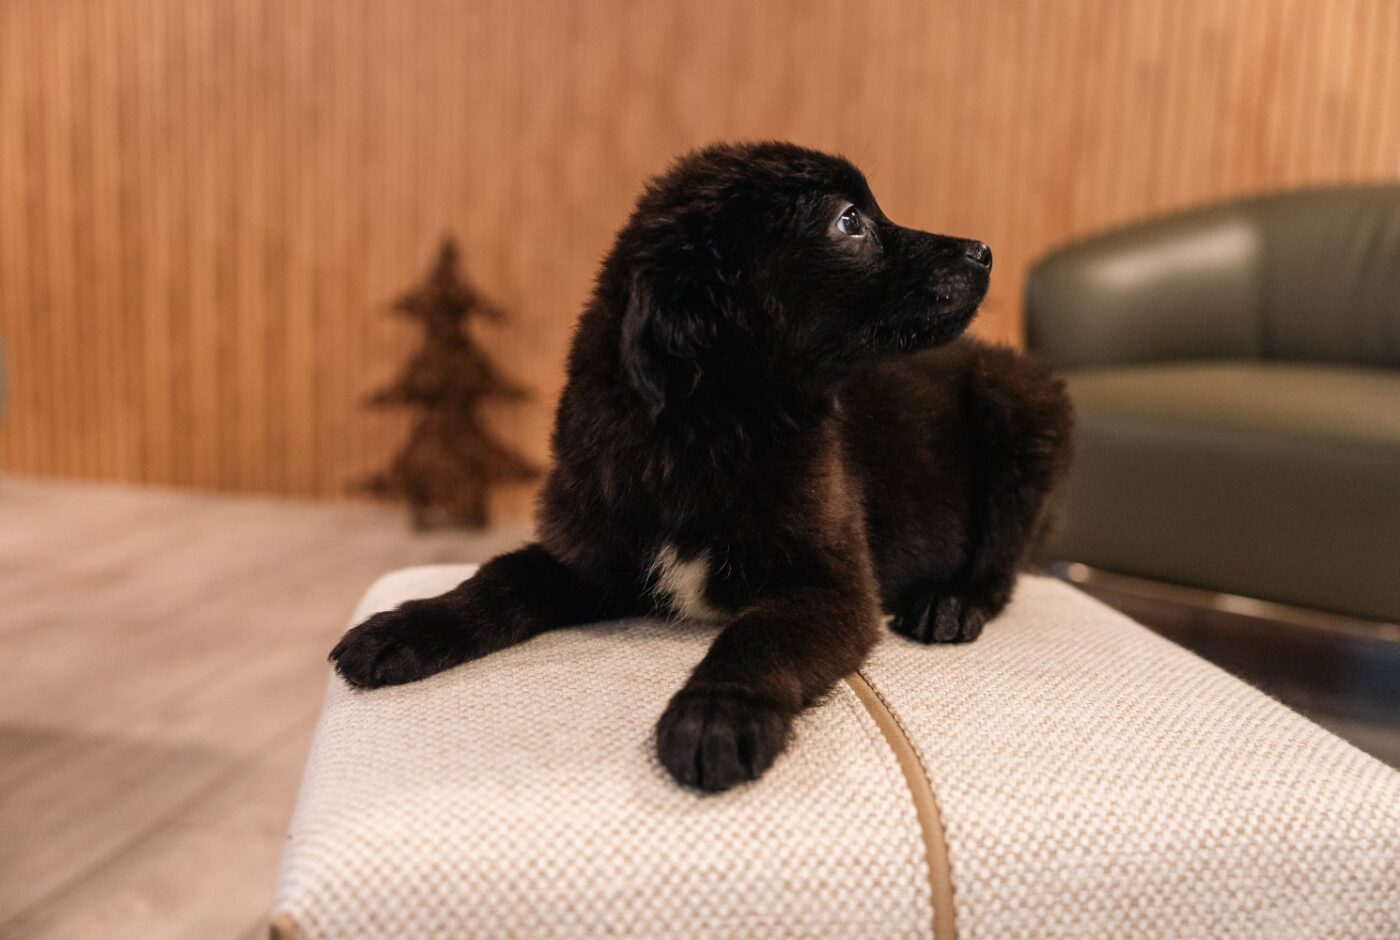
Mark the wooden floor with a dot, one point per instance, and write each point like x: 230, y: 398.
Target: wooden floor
x: 162, y: 660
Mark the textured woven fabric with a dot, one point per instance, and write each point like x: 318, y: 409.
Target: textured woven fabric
x: 1096, y: 780
x: 518, y: 796
x: 1093, y: 781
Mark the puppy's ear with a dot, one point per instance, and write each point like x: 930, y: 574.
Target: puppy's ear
x: 667, y: 328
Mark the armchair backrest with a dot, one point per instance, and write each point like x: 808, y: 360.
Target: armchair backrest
x: 1312, y: 276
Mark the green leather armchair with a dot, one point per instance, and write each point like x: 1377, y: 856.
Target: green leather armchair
x: 1236, y: 371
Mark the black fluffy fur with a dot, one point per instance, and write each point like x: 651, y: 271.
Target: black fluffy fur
x: 757, y: 387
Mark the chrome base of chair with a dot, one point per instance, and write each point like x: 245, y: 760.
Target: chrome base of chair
x: 1304, y: 617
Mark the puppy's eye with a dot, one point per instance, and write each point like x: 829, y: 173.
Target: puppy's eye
x: 850, y: 223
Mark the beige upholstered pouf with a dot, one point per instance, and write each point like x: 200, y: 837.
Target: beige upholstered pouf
x: 1070, y: 774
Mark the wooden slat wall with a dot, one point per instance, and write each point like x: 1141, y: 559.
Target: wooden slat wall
x: 205, y: 204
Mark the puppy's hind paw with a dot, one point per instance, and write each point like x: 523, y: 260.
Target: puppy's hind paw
x: 940, y: 616
x: 394, y: 647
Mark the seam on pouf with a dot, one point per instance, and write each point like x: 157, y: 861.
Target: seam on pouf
x: 283, y: 926
x: 916, y: 778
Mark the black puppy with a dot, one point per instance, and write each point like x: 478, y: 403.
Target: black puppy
x: 767, y: 423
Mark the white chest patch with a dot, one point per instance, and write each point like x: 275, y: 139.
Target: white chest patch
x: 681, y: 584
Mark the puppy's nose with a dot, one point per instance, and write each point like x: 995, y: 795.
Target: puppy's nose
x: 979, y: 253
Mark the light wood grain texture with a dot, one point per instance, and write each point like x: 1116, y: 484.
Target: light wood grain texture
x: 165, y: 661
x: 206, y: 204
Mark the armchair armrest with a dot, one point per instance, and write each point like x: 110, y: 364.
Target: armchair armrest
x: 1184, y: 287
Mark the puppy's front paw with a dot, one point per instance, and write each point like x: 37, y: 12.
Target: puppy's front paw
x: 941, y: 616
x: 397, y: 646
x: 715, y: 738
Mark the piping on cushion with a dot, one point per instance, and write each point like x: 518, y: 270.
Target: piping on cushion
x: 283, y: 926
x: 940, y: 873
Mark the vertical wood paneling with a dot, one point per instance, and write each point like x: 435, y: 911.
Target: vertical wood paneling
x: 205, y: 205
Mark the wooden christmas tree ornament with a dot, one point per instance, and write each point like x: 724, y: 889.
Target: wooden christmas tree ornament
x: 451, y: 460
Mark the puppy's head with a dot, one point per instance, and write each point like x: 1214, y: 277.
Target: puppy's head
x: 775, y: 258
